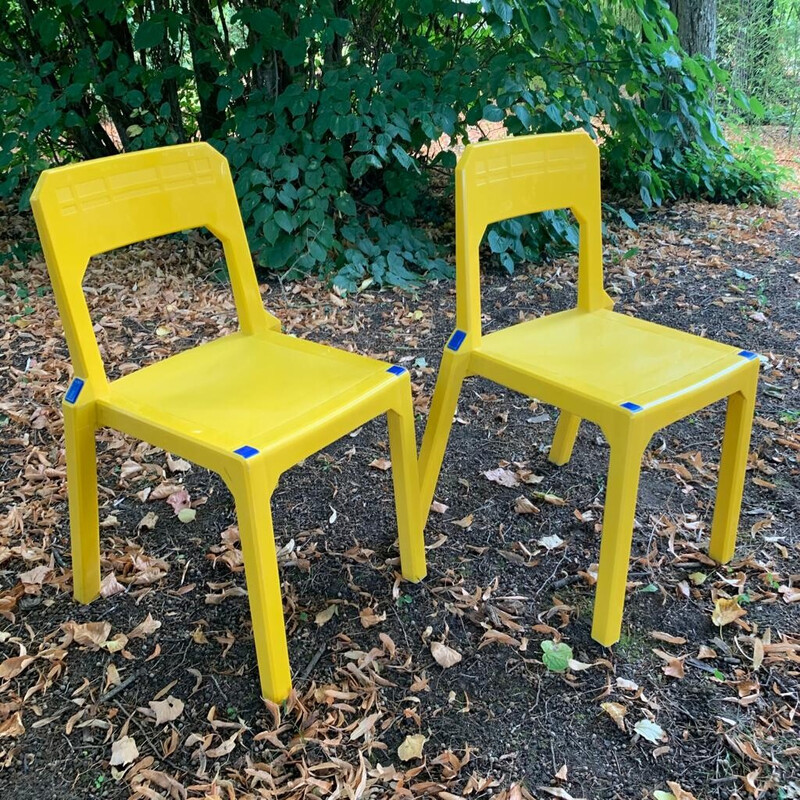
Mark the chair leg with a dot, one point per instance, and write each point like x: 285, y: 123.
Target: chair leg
x: 735, y: 448
x: 252, y: 488
x: 623, y: 484
x: 564, y: 439
x: 403, y: 448
x: 452, y: 372
x: 79, y: 432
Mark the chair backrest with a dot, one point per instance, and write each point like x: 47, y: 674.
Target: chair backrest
x: 82, y: 210
x: 525, y: 175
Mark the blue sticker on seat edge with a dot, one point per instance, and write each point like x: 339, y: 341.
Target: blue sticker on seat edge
x: 395, y: 369
x: 74, y: 390
x: 632, y: 407
x: 748, y: 354
x: 245, y: 451
x: 456, y: 340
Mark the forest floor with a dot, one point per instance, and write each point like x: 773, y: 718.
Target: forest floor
x: 152, y: 691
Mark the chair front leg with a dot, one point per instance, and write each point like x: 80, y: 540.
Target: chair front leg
x: 622, y: 488
x: 252, y: 487
x: 732, y: 469
x: 403, y: 449
x: 452, y: 372
x: 84, y: 530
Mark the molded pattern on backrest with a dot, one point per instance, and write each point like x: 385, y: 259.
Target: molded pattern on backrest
x: 529, y: 174
x: 526, y: 175
x: 85, y: 209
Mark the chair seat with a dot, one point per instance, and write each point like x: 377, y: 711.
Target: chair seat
x: 246, y: 390
x: 610, y: 357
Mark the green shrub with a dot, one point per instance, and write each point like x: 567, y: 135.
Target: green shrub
x: 326, y: 111
x: 750, y: 175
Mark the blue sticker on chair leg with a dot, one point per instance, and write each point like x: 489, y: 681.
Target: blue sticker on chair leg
x: 748, y: 354
x: 632, y: 407
x: 456, y: 340
x: 74, y: 390
x: 245, y: 451
x: 396, y: 369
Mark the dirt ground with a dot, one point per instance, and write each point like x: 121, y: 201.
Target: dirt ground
x: 152, y: 690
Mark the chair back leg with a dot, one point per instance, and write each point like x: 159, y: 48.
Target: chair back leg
x: 564, y: 438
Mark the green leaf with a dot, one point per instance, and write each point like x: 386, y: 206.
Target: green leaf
x: 672, y: 59
x: 757, y: 107
x: 556, y: 655
x: 555, y: 114
x: 346, y: 205
x: 503, y: 10
x: 149, y: 34
x: 627, y: 219
x: 105, y: 50
x: 361, y: 165
x: 492, y: 113
x: 295, y: 51
x: 284, y: 219
x: 265, y: 21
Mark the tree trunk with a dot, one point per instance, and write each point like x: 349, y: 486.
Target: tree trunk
x: 203, y: 35
x: 697, y: 25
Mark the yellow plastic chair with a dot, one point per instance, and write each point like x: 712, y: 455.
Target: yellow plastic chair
x: 629, y: 376
x: 247, y: 406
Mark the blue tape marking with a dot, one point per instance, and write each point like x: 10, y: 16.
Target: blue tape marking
x: 632, y: 407
x: 748, y: 354
x: 396, y: 369
x: 245, y: 451
x: 74, y: 390
x: 456, y: 340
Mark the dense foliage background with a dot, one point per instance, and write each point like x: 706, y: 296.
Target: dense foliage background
x: 759, y: 44
x: 329, y: 111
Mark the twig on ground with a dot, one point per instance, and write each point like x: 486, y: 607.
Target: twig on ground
x: 112, y: 693
x: 313, y: 662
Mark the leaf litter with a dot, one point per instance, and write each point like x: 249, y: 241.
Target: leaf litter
x: 156, y: 681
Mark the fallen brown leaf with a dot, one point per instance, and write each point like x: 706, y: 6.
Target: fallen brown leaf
x: 617, y: 712
x: 667, y: 637
x: 14, y: 666
x: 444, y: 656
x: 167, y: 710
x: 726, y: 610
x: 12, y: 727
x: 679, y: 792
x: 370, y: 618
x: 524, y: 506
x: 411, y: 747
x: 145, y: 628
x: 88, y: 634
x: 123, y: 751
x: 326, y: 614
x: 502, y: 476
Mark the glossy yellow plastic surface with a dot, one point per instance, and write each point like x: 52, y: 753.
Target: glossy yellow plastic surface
x: 248, y: 406
x: 629, y: 376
